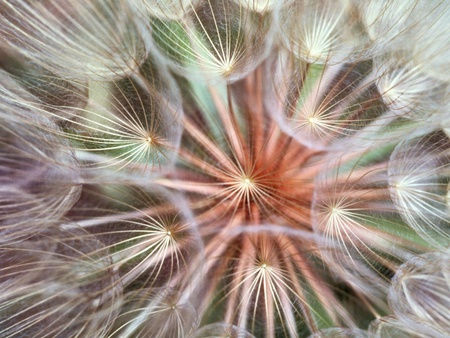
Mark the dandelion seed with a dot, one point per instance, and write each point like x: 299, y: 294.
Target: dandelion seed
x: 95, y: 39
x: 420, y: 292
x: 319, y: 32
x: 156, y: 313
x: 359, y: 224
x: 48, y: 89
x: 126, y: 124
x: 389, y: 326
x: 218, y: 39
x: 419, y: 174
x: 406, y: 89
x: 324, y: 106
x: 54, y: 285
x: 39, y: 175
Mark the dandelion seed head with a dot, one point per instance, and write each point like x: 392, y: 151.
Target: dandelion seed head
x: 230, y: 168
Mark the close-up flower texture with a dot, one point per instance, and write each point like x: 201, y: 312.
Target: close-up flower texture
x: 224, y: 168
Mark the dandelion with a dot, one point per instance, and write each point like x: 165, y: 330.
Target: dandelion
x: 217, y: 168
